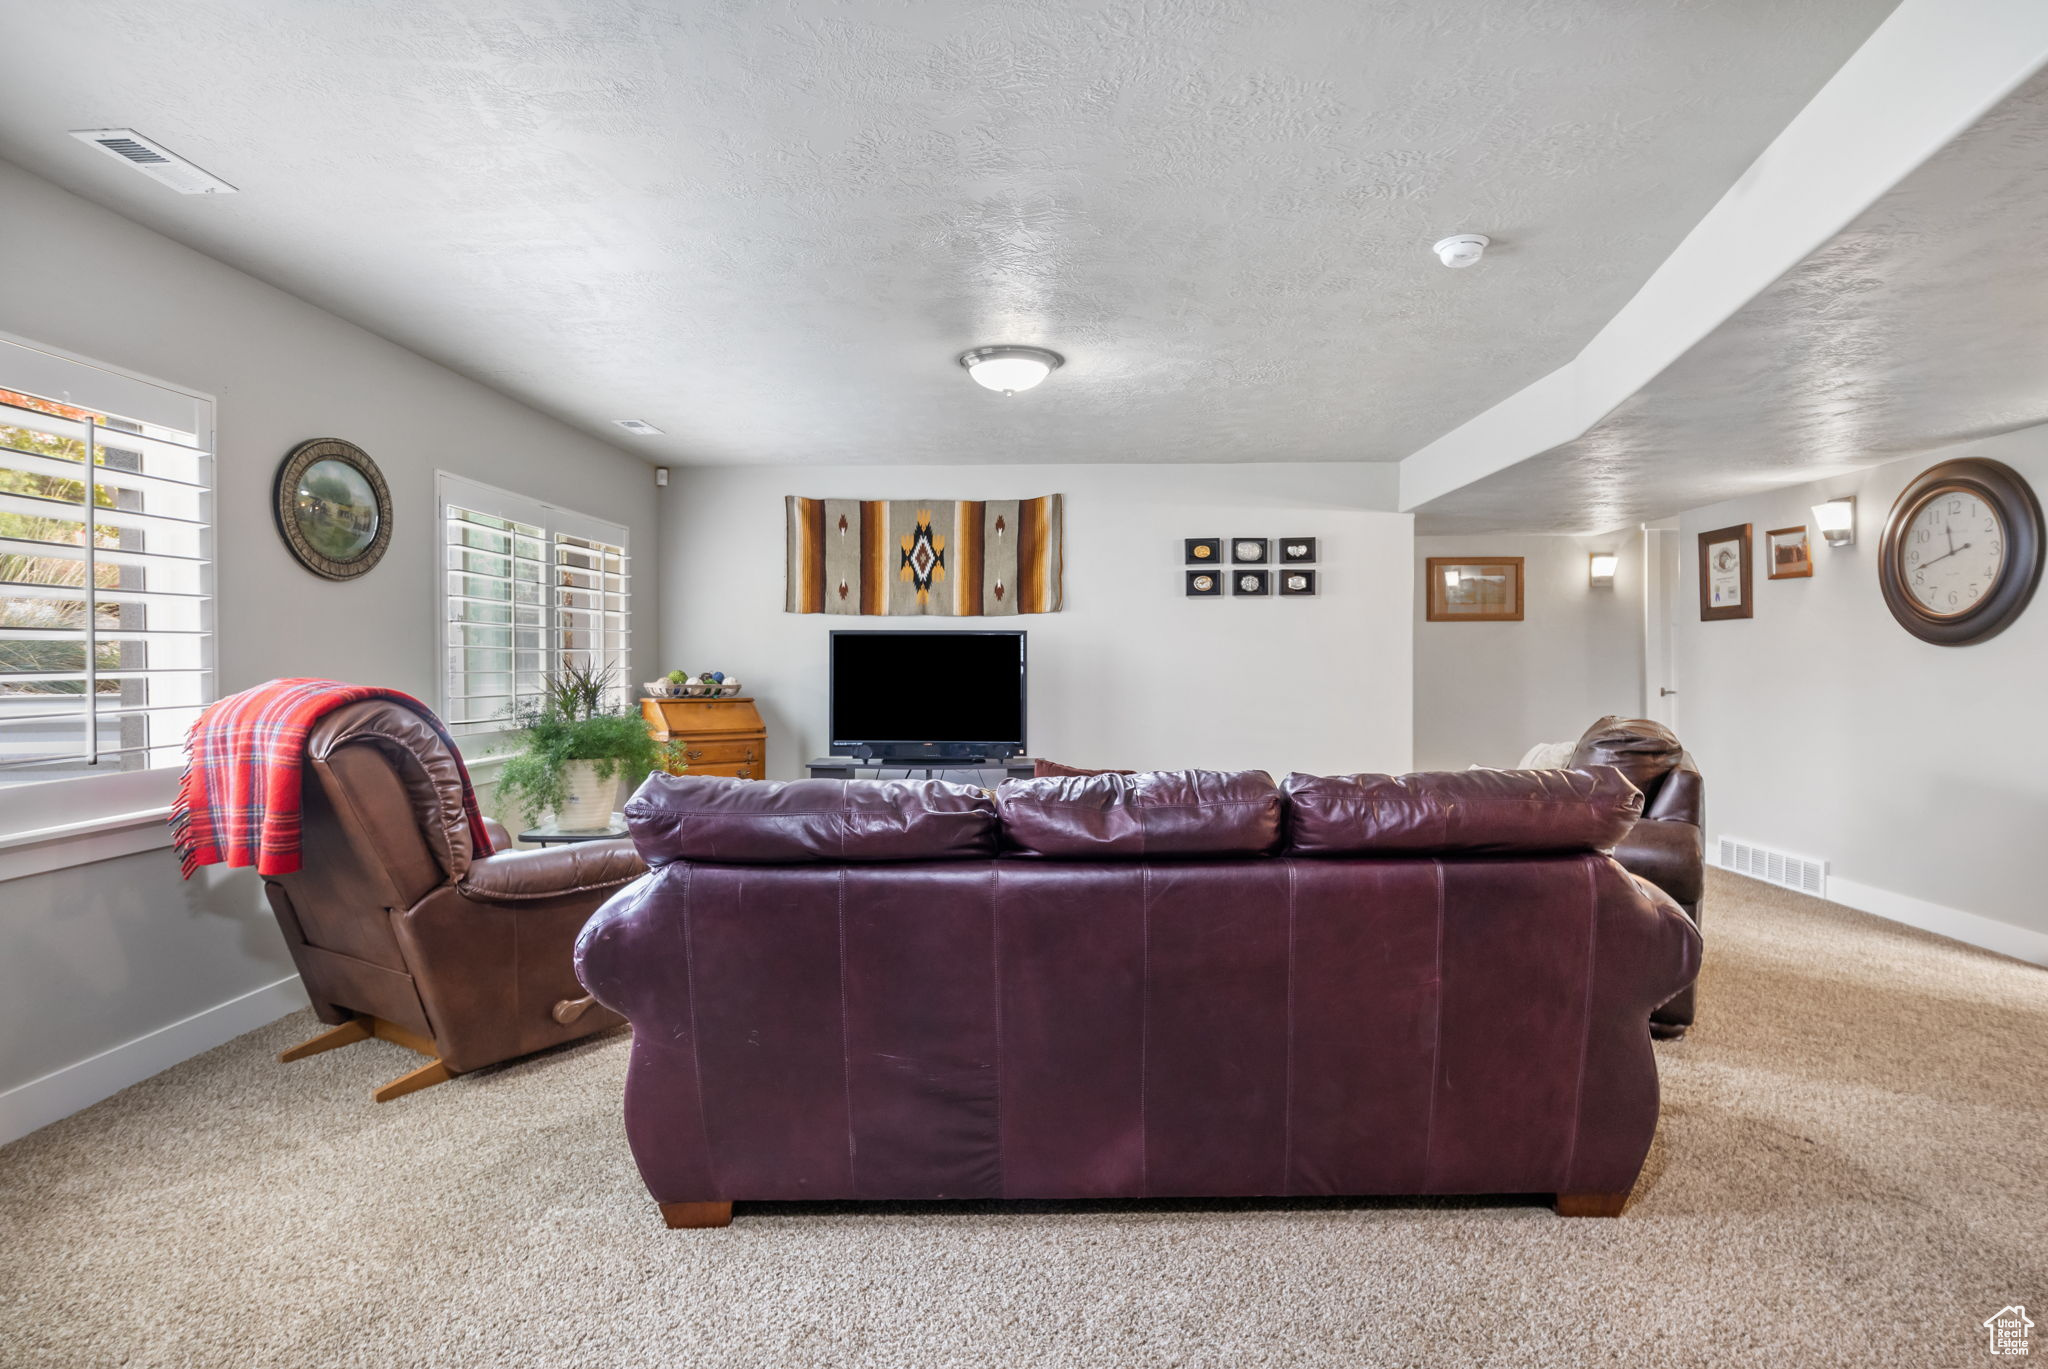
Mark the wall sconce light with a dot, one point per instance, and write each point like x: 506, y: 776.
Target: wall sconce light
x: 1836, y: 520
x: 1600, y: 569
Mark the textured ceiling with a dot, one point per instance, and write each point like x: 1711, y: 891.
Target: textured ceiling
x: 768, y: 227
x: 1917, y: 327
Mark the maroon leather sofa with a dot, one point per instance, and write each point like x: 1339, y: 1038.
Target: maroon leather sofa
x: 1177, y: 984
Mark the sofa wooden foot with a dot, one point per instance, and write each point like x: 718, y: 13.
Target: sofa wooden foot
x: 690, y: 1216
x: 347, y: 1034
x: 1591, y: 1204
x: 425, y: 1077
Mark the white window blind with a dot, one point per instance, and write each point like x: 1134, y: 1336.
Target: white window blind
x: 106, y: 649
x: 530, y: 588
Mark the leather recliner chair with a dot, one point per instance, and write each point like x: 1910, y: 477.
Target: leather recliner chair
x: 1667, y: 846
x: 401, y: 932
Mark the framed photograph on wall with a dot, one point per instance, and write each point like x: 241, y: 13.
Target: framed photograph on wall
x: 1474, y: 589
x: 1725, y: 574
x: 1786, y: 555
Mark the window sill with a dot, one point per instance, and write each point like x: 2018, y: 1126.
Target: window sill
x: 39, y: 850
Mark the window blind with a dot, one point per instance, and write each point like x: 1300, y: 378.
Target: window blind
x: 529, y: 589
x: 106, y: 651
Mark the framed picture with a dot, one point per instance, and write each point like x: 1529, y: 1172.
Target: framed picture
x: 333, y: 508
x: 1474, y: 589
x: 1204, y: 551
x: 1205, y: 584
x: 1244, y: 582
x: 1297, y: 551
x: 1725, y: 576
x: 1297, y: 582
x: 1786, y: 554
x: 1249, y: 551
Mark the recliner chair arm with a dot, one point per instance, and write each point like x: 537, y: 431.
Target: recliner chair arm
x: 552, y: 872
x: 1682, y: 797
x: 501, y: 840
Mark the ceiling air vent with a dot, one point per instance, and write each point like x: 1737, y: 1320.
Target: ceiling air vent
x: 154, y: 160
x: 1803, y: 873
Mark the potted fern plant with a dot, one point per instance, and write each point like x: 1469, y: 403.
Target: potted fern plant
x: 574, y: 749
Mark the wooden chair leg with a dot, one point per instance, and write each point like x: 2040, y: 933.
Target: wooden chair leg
x: 425, y: 1077
x: 692, y: 1216
x: 1591, y: 1204
x: 349, y: 1032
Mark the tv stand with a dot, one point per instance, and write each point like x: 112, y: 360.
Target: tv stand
x: 848, y: 767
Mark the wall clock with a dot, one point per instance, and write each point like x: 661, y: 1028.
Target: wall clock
x: 1961, y: 552
x: 333, y: 508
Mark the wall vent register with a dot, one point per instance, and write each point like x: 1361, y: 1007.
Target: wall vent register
x: 1802, y: 873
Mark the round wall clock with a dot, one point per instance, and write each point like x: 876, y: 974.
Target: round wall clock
x: 1961, y: 552
x: 333, y: 508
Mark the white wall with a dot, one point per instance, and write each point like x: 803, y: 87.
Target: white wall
x: 95, y: 956
x: 1131, y: 673
x: 1486, y: 692
x: 1920, y: 773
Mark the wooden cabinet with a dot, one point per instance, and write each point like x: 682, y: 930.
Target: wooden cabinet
x: 719, y: 736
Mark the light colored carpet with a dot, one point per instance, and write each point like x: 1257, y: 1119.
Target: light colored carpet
x: 1852, y: 1169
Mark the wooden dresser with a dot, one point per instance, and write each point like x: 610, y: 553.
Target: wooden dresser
x: 719, y: 736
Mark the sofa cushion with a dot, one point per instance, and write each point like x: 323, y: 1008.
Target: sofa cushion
x: 1643, y: 751
x: 755, y: 822
x: 1150, y: 814
x: 1464, y: 811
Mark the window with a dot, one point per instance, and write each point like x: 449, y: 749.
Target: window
x: 530, y: 588
x: 106, y: 646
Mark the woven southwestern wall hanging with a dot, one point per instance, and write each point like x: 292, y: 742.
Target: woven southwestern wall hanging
x: 968, y: 558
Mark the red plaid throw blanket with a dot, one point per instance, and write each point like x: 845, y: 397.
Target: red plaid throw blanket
x: 238, y: 802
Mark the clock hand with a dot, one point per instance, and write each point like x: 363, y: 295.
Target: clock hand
x: 1945, y: 555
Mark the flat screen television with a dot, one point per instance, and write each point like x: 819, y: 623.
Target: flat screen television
x: 927, y: 695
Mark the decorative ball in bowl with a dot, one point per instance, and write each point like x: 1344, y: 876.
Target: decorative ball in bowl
x: 658, y: 689
x: 730, y: 687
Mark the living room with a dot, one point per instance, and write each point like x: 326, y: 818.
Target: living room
x: 1425, y: 694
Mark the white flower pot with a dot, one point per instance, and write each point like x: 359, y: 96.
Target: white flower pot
x: 586, y: 799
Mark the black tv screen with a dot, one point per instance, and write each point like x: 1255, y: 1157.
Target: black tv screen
x: 909, y: 692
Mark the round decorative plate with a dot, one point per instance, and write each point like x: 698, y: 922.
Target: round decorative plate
x: 333, y: 508
x: 1961, y: 552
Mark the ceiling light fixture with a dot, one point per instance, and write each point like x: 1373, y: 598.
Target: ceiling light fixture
x: 1010, y: 369
x: 1837, y: 520
x: 638, y: 426
x: 1461, y: 249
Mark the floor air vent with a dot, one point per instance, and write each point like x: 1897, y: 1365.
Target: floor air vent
x: 1803, y: 873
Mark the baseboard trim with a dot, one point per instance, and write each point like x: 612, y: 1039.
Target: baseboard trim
x: 27, y: 1107
x: 1989, y: 933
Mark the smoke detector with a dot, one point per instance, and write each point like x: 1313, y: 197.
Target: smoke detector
x: 1461, y: 249
x: 153, y: 160
x: 639, y: 426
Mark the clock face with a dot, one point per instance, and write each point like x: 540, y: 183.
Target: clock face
x: 1961, y: 552
x: 1954, y: 551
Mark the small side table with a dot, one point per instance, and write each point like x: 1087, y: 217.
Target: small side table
x: 556, y: 836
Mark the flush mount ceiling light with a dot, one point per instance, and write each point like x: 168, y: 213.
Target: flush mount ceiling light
x: 1010, y: 369
x: 639, y: 426
x: 153, y: 160
x: 1461, y: 249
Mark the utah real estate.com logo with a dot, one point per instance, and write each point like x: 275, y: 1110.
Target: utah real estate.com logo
x: 2008, y: 1328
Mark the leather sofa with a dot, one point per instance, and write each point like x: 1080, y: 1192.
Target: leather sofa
x: 1175, y: 984
x: 400, y: 931
x: 1668, y: 845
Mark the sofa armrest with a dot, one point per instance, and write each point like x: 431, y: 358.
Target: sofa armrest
x: 553, y: 871
x: 1682, y: 797
x: 1669, y: 854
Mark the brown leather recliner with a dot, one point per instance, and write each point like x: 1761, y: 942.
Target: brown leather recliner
x: 1667, y: 846
x: 401, y: 932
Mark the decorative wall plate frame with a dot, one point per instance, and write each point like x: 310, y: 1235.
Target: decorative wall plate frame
x: 333, y: 508
x: 1297, y: 582
x: 1203, y: 551
x: 1473, y: 589
x: 1250, y: 551
x: 1250, y: 582
x: 1297, y: 551
x: 1205, y: 584
x: 1726, y: 577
